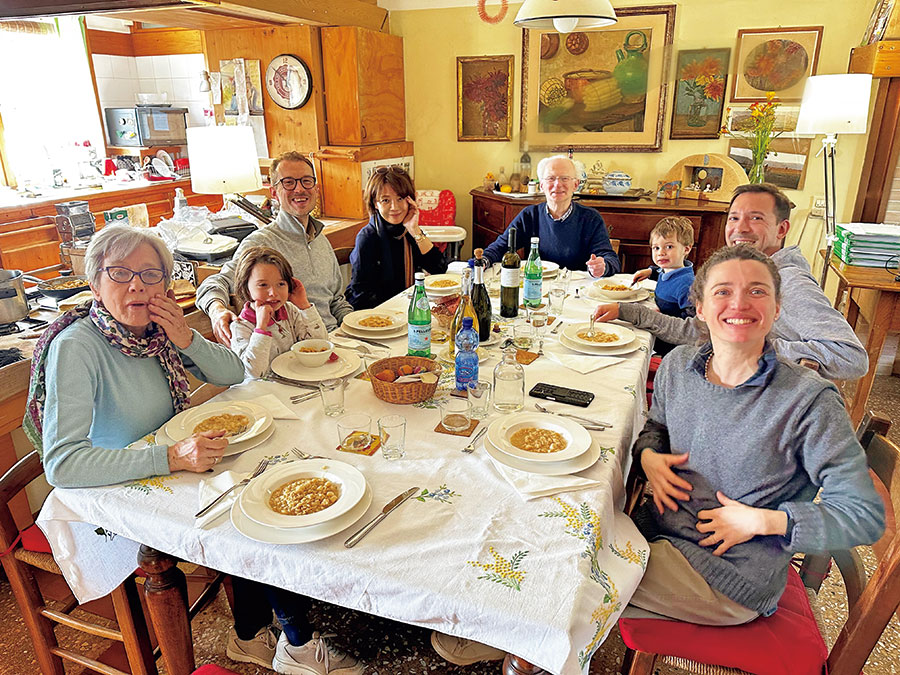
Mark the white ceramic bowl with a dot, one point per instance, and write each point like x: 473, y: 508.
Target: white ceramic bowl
x: 312, y: 359
x: 615, y: 295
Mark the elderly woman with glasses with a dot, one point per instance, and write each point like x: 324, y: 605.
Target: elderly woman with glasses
x: 391, y: 248
x: 106, y: 373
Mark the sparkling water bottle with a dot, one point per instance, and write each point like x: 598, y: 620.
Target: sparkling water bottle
x: 534, y: 275
x: 419, y: 318
x: 466, y: 355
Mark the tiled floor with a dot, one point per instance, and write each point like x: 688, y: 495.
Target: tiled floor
x: 396, y: 649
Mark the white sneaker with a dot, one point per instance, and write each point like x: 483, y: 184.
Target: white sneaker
x: 316, y: 657
x: 462, y: 652
x: 259, y: 650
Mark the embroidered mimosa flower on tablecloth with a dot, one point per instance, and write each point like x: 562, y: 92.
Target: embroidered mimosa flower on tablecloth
x: 503, y: 571
x: 146, y: 485
x: 629, y: 554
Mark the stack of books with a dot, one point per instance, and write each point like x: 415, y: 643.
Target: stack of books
x: 868, y: 244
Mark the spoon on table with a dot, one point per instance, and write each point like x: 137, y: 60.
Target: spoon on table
x: 591, y: 332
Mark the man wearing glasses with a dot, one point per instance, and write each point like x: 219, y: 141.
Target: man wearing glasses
x: 573, y: 236
x: 295, y: 235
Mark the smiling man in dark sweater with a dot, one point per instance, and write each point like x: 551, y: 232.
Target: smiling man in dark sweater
x: 573, y: 236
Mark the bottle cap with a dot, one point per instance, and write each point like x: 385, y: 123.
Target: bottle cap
x: 467, y: 322
x: 535, y: 240
x: 478, y: 253
x: 420, y: 276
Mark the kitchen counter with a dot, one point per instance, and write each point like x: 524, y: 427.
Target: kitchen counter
x: 11, y: 199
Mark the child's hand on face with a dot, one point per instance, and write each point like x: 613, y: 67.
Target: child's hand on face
x: 263, y: 315
x: 298, y: 294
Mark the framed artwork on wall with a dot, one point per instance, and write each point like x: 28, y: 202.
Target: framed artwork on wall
x: 878, y: 22
x: 484, y: 94
x: 774, y: 59
x: 602, y: 90
x: 785, y: 165
x: 700, y: 78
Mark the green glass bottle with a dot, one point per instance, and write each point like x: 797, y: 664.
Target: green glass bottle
x: 481, y: 301
x: 419, y: 320
x: 534, y: 275
x: 509, y: 280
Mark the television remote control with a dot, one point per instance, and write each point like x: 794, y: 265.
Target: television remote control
x: 553, y: 392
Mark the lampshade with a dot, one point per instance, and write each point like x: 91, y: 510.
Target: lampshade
x: 835, y: 104
x: 223, y: 159
x: 565, y: 17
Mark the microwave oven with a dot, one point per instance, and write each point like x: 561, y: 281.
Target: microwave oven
x: 145, y: 126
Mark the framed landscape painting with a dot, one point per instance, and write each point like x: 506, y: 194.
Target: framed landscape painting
x: 785, y: 165
x: 484, y: 91
x: 600, y: 90
x: 774, y: 59
x: 700, y: 78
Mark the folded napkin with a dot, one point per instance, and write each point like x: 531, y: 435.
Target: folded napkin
x: 534, y: 486
x: 278, y: 409
x: 583, y: 364
x: 375, y: 350
x: 209, y: 489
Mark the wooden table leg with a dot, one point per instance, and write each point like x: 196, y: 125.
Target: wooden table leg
x: 166, y: 591
x: 878, y: 328
x: 515, y: 665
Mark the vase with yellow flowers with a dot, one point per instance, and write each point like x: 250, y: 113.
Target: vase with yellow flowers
x: 758, y: 132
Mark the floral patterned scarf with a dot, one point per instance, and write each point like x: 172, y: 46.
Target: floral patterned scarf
x: 154, y: 343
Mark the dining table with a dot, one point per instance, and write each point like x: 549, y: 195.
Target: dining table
x: 538, y: 566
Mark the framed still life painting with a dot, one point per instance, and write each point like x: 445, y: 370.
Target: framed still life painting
x: 774, y: 59
x: 700, y: 78
x: 484, y: 94
x: 598, y: 90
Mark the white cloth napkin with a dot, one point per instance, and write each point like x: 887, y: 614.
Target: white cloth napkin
x: 278, y: 409
x: 211, y: 488
x: 375, y: 350
x: 583, y: 364
x: 534, y: 486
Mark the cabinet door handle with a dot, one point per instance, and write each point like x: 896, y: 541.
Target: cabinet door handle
x: 363, y: 130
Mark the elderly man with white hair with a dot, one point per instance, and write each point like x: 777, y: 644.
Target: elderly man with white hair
x: 572, y: 235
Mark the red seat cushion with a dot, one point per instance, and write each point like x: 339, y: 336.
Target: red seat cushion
x: 34, y: 540
x: 786, y: 643
x: 213, y: 669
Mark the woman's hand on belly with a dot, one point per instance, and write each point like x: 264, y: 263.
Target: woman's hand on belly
x: 667, y: 485
x: 198, y: 453
x: 734, y: 523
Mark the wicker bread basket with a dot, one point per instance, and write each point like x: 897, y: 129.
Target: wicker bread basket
x: 410, y: 392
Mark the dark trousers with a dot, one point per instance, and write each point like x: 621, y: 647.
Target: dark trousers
x: 253, y: 606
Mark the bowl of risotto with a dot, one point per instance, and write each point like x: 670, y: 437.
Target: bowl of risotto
x: 312, y: 353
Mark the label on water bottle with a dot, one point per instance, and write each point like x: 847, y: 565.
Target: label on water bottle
x: 422, y: 303
x: 531, y: 291
x: 509, y: 276
x: 466, y: 369
x: 419, y: 338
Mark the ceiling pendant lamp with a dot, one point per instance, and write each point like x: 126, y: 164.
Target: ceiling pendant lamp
x: 565, y: 16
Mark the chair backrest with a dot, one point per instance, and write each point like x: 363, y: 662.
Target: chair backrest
x: 343, y: 257
x: 436, y: 207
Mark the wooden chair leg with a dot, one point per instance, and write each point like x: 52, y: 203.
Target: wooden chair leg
x: 166, y: 593
x: 638, y: 663
x: 133, y: 626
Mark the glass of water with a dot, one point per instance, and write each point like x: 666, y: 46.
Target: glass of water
x: 455, y: 413
x: 392, y: 432
x: 557, y: 297
x: 332, y: 392
x: 522, y: 335
x: 539, y: 318
x: 353, y: 432
x: 479, y: 399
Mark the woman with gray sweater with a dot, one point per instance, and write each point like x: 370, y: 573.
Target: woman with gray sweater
x: 737, y: 445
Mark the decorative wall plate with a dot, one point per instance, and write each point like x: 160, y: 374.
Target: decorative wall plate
x: 288, y: 81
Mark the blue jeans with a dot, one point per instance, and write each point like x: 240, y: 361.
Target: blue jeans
x: 253, y: 606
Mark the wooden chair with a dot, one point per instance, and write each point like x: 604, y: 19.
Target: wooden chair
x: 871, y: 605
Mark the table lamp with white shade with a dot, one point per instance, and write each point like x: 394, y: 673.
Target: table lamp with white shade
x: 832, y: 105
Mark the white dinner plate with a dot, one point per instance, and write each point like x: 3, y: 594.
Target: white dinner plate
x: 298, y: 535
x: 353, y: 319
x: 548, y: 269
x: 386, y: 335
x: 623, y: 335
x: 595, y: 293
x: 254, y: 500
x: 501, y: 430
x: 580, y: 463
x: 162, y: 438
x: 182, y: 425
x: 433, y: 279
x: 289, y: 366
x: 444, y: 355
x: 632, y: 346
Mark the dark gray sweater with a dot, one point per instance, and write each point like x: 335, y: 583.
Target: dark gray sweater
x: 770, y: 442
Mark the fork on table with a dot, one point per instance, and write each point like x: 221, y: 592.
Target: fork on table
x: 470, y: 448
x: 299, y: 454
x: 300, y: 398
x: 256, y: 472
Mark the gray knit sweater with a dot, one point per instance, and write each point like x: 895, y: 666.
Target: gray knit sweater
x: 770, y: 442
x: 808, y: 328
x: 313, y: 263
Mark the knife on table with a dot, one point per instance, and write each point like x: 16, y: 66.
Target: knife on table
x: 291, y: 383
x: 357, y: 536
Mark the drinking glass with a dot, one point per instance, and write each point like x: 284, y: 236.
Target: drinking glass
x: 539, y: 318
x: 332, y: 392
x: 522, y: 335
x: 455, y: 413
x: 353, y: 432
x: 479, y: 399
x: 392, y: 432
x: 557, y: 297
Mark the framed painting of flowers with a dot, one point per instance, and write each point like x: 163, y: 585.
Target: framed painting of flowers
x: 484, y: 98
x: 774, y: 59
x: 700, y: 77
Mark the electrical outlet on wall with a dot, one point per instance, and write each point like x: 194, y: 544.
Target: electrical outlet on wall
x: 817, y: 207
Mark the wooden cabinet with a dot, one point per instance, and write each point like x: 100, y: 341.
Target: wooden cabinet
x: 363, y: 71
x: 629, y: 221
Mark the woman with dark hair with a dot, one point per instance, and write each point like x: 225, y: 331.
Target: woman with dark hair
x: 391, y: 247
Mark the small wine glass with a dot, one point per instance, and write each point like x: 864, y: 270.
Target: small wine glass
x: 539, y: 318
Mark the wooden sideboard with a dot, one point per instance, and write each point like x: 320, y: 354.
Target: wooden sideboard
x: 628, y: 220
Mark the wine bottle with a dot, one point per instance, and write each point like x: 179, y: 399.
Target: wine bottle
x: 481, y: 301
x: 465, y: 308
x: 509, y: 280
x: 419, y: 320
x: 534, y: 275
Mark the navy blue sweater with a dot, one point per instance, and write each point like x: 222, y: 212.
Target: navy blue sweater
x: 569, y: 243
x: 673, y: 290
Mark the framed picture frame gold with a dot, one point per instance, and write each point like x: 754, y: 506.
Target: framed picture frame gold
x: 602, y: 90
x: 774, y: 59
x: 484, y: 94
x: 699, y: 95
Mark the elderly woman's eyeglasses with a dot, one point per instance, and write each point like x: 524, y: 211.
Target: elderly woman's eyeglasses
x: 393, y: 168
x: 289, y: 184
x: 123, y: 275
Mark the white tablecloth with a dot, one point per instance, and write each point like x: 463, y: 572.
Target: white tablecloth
x: 544, y: 579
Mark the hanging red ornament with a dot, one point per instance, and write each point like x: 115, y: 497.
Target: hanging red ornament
x: 482, y: 12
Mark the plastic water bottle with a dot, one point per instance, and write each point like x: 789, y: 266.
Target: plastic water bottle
x: 466, y: 355
x: 534, y: 275
x: 419, y: 320
x: 180, y: 204
x: 509, y: 383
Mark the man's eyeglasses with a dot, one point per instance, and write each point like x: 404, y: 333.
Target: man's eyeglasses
x: 393, y: 168
x: 289, y: 184
x: 123, y: 275
x: 565, y: 180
